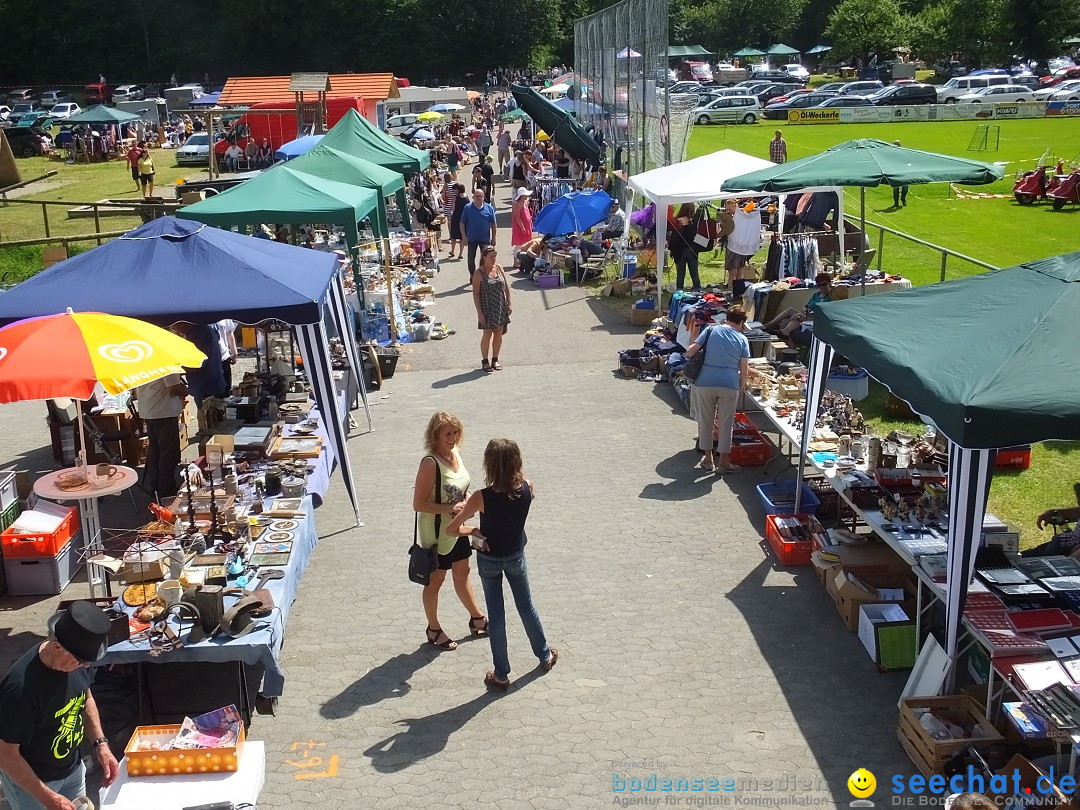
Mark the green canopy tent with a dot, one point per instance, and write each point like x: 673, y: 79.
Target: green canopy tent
x: 100, y: 114
x: 866, y: 162
x: 283, y: 195
x: 516, y: 114
x: 355, y: 135
x: 748, y: 53
x: 963, y: 353
x: 333, y: 164
x: 780, y: 49
x: 686, y: 51
x: 559, y: 124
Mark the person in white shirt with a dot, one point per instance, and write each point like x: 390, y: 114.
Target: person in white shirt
x: 232, y: 158
x: 160, y: 404
x: 226, y: 330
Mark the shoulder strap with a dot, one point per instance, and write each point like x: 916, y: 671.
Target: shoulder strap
x: 438, y: 499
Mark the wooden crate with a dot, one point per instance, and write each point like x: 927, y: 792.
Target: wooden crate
x: 928, y: 754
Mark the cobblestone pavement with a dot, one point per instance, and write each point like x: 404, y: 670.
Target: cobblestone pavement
x: 685, y: 651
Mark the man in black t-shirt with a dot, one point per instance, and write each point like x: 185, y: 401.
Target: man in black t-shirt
x: 47, y: 713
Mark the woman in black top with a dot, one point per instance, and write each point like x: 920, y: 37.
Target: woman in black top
x: 500, y: 543
x: 456, y: 236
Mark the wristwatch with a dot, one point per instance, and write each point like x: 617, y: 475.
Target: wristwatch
x: 99, y: 741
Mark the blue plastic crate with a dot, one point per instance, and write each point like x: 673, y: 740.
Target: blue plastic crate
x: 779, y: 499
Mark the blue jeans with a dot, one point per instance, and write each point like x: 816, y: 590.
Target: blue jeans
x: 70, y: 787
x: 491, y: 573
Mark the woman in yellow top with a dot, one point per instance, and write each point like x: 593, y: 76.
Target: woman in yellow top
x: 442, y: 438
x: 146, y: 172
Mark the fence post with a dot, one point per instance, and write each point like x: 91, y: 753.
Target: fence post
x: 880, y: 247
x: 944, y: 260
x: 97, y: 223
x: 45, y: 217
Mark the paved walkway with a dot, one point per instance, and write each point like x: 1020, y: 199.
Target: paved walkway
x: 685, y: 651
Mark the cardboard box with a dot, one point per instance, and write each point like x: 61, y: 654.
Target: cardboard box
x: 620, y: 286
x: 1030, y: 775
x: 890, y: 641
x: 191, y: 197
x: 872, y: 559
x: 643, y: 317
x: 850, y: 592
x: 824, y: 569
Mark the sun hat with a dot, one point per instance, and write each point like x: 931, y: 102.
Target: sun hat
x: 82, y: 630
x: 522, y: 192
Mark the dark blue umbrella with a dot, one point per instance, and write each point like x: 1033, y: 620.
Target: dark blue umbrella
x: 559, y: 124
x: 574, y: 212
x: 298, y: 147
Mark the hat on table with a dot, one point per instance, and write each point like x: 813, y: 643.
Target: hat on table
x: 82, y: 630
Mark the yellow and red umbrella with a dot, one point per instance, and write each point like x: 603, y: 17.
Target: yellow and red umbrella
x: 66, y: 355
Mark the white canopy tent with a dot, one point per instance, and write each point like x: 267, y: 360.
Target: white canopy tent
x: 702, y: 179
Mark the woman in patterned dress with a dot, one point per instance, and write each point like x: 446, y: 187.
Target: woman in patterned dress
x: 491, y: 296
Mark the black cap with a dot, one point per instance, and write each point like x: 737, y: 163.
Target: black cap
x: 82, y: 630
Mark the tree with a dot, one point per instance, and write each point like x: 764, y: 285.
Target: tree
x: 1038, y: 26
x: 948, y: 26
x: 862, y: 27
x: 729, y: 25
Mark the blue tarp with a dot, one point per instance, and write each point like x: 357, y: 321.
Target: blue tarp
x: 298, y: 147
x: 170, y: 270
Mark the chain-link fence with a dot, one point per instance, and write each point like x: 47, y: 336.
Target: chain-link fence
x: 621, y: 62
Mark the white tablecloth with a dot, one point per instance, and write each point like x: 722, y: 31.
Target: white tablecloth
x: 178, y: 792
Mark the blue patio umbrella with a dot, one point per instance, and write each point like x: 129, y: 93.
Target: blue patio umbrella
x: 424, y: 135
x: 574, y: 212
x: 298, y: 147
x: 445, y: 108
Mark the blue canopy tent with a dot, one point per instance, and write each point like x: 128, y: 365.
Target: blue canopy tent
x: 297, y: 147
x: 172, y: 270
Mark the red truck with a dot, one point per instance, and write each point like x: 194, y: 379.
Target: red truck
x: 280, y: 127
x: 97, y: 93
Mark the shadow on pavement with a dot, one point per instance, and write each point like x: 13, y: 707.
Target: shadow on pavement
x: 614, y: 322
x: 458, y: 379
x: 389, y: 679
x: 424, y: 737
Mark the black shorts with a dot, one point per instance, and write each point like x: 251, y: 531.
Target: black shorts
x: 146, y: 178
x: 461, y: 551
x: 135, y: 173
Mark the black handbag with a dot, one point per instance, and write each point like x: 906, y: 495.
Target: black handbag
x: 424, y: 561
x: 694, y: 364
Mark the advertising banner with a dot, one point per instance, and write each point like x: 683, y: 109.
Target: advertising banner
x: 930, y: 112
x: 1056, y: 108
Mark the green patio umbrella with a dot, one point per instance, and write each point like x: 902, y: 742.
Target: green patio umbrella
x: 780, y: 49
x: 100, y: 114
x: 866, y: 162
x: 559, y: 124
x: 749, y: 52
x: 516, y: 114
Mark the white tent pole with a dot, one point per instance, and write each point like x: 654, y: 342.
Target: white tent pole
x: 840, y: 230
x: 661, y: 245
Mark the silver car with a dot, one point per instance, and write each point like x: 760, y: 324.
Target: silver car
x: 729, y: 110
x: 195, y: 151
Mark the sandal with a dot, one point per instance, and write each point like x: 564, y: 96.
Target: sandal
x: 491, y: 682
x: 729, y: 468
x: 706, y: 464
x: 478, y: 625
x: 554, y: 659
x: 433, y: 637
x: 486, y: 366
x: 495, y: 364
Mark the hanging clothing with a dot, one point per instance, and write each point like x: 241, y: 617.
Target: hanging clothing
x: 745, y: 238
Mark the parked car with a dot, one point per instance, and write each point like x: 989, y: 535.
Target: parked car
x: 729, y: 110
x: 685, y: 87
x: 65, y: 109
x: 97, y: 93
x: 1057, y: 77
x: 1001, y: 94
x: 1048, y: 93
x: 1066, y: 91
x: 797, y: 71
x: 25, y: 141
x: 127, y: 92
x: 951, y: 91
x: 20, y: 96
x: 774, y: 91
x: 846, y: 101
x: 50, y: 98
x: 5, y: 111
x: 195, y: 151
x: 865, y: 88
x: 696, y: 71
x: 397, y: 124
x: 900, y: 95
x: 777, y: 76
x: 989, y: 72
x: 833, y: 87
x: 1030, y: 81
x: 39, y: 120
x: 24, y: 109
x: 779, y: 109
x: 798, y: 91
x: 728, y: 75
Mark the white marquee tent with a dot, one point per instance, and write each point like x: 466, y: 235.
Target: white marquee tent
x: 698, y: 180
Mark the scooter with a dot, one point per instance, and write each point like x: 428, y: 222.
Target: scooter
x: 1031, y: 186
x: 1066, y: 191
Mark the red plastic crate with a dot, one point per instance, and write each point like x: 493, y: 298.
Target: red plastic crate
x: 786, y: 551
x: 1014, y: 458
x: 748, y: 454
x: 41, y: 545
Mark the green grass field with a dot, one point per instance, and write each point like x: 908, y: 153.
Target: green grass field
x: 997, y: 231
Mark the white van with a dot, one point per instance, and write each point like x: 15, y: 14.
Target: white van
x: 949, y: 92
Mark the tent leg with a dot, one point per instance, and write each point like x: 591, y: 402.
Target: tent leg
x: 862, y: 230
